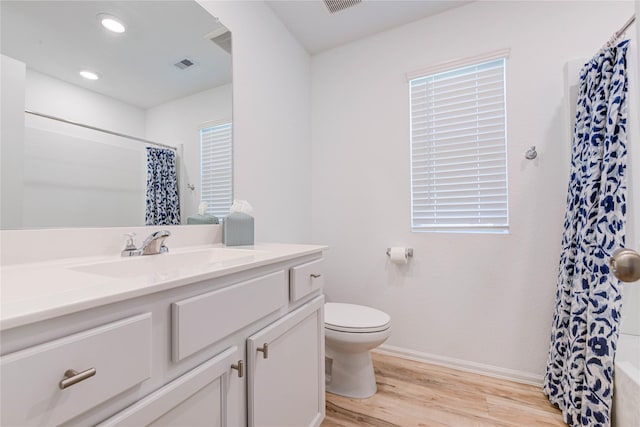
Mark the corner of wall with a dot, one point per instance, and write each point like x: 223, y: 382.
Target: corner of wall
x: 272, y: 120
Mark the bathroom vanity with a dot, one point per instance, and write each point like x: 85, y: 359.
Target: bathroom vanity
x: 205, y: 335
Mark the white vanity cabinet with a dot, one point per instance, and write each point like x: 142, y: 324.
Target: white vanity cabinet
x: 286, y: 370
x: 240, y: 349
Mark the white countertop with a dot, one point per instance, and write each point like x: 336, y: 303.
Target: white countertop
x: 39, y: 291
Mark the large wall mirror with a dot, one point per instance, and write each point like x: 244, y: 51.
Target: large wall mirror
x: 76, y: 150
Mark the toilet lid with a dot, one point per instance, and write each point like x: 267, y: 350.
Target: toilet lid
x: 354, y: 318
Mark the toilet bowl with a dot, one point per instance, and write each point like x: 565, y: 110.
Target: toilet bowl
x: 351, y: 331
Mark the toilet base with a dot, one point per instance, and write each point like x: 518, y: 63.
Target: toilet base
x: 351, y: 375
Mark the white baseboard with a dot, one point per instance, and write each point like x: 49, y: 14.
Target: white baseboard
x: 463, y: 365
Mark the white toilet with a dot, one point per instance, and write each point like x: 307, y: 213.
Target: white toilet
x: 350, y: 332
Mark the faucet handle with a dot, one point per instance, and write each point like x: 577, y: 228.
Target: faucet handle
x: 160, y: 233
x: 130, y: 245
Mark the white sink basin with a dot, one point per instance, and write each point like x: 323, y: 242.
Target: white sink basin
x: 168, y: 263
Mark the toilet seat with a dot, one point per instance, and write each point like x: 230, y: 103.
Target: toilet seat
x: 354, y: 318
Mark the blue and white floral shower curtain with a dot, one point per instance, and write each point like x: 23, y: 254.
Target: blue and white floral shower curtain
x: 163, y: 206
x: 579, y: 374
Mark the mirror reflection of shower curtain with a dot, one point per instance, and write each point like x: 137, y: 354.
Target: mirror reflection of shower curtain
x: 163, y: 204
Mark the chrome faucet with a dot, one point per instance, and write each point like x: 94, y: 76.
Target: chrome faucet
x: 154, y: 244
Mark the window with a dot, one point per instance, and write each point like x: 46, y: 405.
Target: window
x: 216, y: 169
x: 458, y: 149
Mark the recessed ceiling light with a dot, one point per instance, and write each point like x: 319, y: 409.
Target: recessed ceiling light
x: 111, y: 23
x: 89, y: 75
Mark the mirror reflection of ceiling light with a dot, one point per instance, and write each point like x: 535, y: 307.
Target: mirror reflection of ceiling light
x: 111, y: 23
x: 89, y: 75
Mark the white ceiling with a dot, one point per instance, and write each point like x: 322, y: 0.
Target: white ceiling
x: 60, y: 38
x: 317, y: 29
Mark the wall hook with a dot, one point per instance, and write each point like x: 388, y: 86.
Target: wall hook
x: 531, y: 153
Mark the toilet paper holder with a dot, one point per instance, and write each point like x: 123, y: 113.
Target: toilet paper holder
x: 408, y: 252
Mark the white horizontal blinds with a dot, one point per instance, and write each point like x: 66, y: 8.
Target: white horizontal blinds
x: 458, y: 149
x: 216, y: 172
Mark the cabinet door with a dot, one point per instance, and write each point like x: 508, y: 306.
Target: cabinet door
x: 208, y: 395
x: 286, y: 370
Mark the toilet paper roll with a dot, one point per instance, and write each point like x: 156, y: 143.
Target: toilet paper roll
x: 398, y: 255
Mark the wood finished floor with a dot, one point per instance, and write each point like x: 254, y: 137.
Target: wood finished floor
x: 418, y: 394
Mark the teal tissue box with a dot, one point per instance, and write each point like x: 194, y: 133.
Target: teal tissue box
x: 202, y: 219
x: 238, y: 229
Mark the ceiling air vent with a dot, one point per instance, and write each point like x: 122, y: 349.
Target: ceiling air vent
x: 185, y: 63
x: 338, y: 5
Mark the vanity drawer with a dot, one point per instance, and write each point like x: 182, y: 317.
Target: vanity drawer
x: 120, y: 353
x: 306, y: 278
x: 202, y: 320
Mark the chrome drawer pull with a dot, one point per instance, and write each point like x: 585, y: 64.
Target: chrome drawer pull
x: 265, y: 350
x: 315, y: 276
x: 72, y: 377
x: 239, y: 367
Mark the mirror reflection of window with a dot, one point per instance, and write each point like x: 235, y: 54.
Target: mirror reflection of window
x: 216, y: 168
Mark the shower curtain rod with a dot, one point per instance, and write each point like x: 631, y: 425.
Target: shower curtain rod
x: 135, y: 138
x: 621, y: 31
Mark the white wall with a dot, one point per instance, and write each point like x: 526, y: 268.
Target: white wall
x: 178, y: 123
x: 74, y: 176
x: 638, y: 32
x: 271, y: 121
x: 479, y: 298
x: 48, y: 95
x: 631, y: 294
x: 11, y: 135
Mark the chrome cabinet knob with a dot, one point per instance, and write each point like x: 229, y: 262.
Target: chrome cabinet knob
x: 265, y: 350
x: 239, y: 367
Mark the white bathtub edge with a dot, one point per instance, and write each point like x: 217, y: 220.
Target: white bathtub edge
x: 626, y: 388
